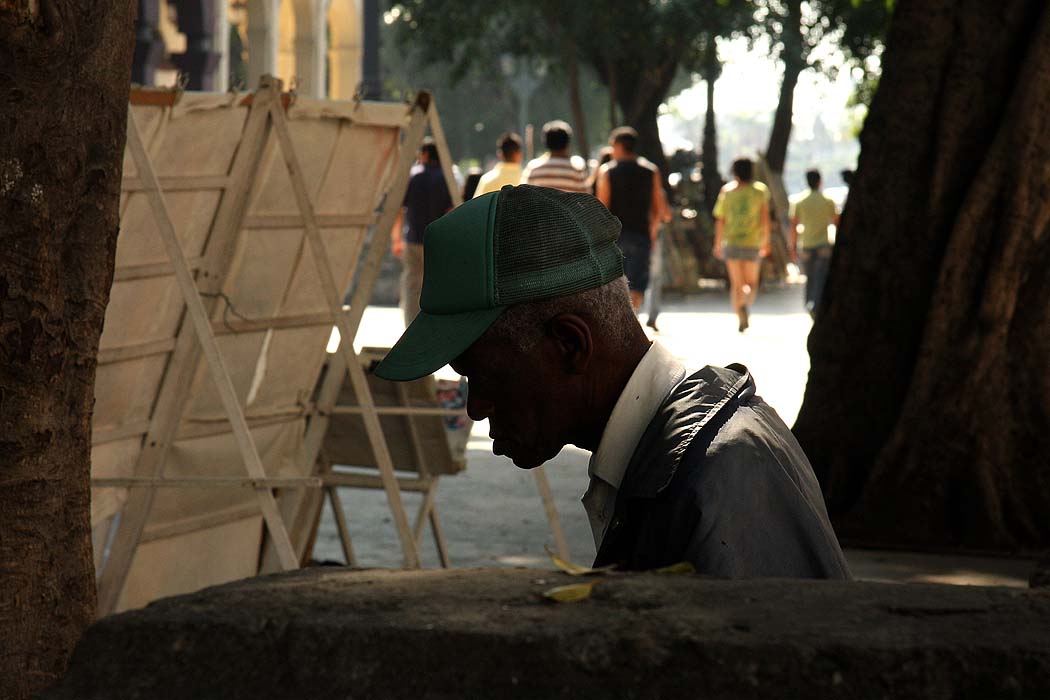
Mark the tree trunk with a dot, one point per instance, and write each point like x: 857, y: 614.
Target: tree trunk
x: 712, y: 179
x: 928, y: 402
x: 614, y: 97
x: 794, y: 64
x: 65, y: 70
x: 572, y: 69
x: 649, y: 144
x: 641, y: 104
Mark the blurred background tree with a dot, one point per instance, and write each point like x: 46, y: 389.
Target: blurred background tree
x: 795, y: 30
x: 636, y: 50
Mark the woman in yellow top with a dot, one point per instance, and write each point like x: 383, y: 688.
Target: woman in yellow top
x: 742, y: 235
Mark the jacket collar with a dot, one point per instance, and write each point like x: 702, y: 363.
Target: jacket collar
x: 692, y: 405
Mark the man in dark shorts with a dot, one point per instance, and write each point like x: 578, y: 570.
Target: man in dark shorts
x: 426, y: 199
x: 630, y: 187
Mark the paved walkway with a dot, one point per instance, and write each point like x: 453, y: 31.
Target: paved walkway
x: 492, y: 513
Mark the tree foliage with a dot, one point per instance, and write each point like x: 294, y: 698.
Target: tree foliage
x: 637, y: 49
x: 795, y: 29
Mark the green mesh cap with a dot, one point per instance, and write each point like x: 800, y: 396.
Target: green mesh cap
x: 517, y: 245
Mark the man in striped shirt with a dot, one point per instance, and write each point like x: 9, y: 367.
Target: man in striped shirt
x: 557, y: 168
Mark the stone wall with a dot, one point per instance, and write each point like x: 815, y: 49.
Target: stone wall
x: 336, y: 633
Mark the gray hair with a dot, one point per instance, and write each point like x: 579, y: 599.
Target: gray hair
x: 608, y: 307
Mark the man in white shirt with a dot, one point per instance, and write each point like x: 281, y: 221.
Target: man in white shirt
x: 557, y: 168
x: 508, y: 170
x: 524, y: 295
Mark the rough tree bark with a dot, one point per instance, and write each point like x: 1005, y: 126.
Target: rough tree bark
x: 712, y: 179
x: 794, y: 63
x: 640, y: 91
x: 64, y: 77
x: 927, y: 410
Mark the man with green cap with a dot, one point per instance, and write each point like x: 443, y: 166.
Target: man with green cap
x: 524, y: 294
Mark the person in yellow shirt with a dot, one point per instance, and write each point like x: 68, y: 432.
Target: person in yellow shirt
x: 742, y: 235
x: 812, y: 212
x: 507, y: 170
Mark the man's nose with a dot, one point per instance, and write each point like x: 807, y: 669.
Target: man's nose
x: 478, y: 408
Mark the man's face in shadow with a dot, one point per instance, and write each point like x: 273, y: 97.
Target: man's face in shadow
x: 529, y: 398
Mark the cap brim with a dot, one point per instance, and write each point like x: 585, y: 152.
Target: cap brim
x: 432, y: 341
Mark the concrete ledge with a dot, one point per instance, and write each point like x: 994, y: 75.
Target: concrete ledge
x: 336, y: 633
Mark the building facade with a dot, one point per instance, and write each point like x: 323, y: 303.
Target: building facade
x: 315, y: 46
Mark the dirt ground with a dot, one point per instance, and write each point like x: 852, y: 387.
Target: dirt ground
x: 492, y: 514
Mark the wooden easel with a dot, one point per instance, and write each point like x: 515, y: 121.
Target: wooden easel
x: 266, y: 127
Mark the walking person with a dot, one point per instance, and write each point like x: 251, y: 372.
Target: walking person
x: 814, y: 212
x: 557, y: 168
x: 426, y: 200
x: 604, y: 156
x: 631, y: 188
x: 742, y: 236
x: 655, y: 293
x: 508, y: 170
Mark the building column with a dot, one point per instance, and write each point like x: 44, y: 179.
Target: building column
x: 371, y: 80
x: 311, y: 46
x: 221, y: 46
x: 262, y: 40
x: 345, y: 51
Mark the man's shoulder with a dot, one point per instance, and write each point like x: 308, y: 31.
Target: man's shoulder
x: 646, y: 163
x: 485, y: 182
x: 428, y: 176
x: 638, y: 163
x: 560, y: 173
x: 760, y: 187
x: 549, y: 162
x: 536, y: 162
x: 701, y: 402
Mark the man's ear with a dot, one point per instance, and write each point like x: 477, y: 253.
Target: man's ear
x: 574, y: 340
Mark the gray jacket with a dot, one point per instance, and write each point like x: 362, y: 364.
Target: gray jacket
x: 719, y: 481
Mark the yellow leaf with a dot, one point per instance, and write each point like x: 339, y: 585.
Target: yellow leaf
x: 575, y: 569
x: 566, y: 566
x: 572, y: 593
x: 682, y: 567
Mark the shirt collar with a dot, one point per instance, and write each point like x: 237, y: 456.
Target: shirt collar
x: 656, y: 375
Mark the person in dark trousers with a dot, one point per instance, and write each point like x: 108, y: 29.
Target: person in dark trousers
x: 524, y: 295
x: 426, y: 199
x: 811, y: 214
x: 655, y: 293
x: 604, y: 156
x: 631, y: 188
